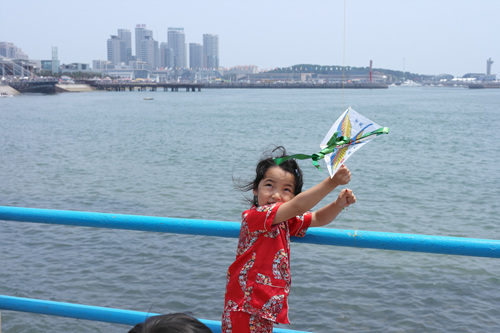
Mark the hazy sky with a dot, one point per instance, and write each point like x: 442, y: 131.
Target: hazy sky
x: 419, y: 36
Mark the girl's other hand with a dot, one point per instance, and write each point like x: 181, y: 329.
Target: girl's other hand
x: 342, y: 176
x: 346, y: 198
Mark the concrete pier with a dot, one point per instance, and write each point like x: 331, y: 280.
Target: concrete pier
x: 145, y: 86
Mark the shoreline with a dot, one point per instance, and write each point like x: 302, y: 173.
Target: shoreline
x: 74, y: 88
x: 5, y: 88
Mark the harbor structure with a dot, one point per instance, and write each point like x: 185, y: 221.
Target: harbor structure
x: 489, y: 62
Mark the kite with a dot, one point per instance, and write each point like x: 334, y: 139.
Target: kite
x: 349, y: 133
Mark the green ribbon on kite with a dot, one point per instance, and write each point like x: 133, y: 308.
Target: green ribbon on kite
x: 336, y: 141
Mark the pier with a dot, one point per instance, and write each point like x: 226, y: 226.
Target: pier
x: 297, y: 85
x: 34, y: 86
x: 144, y: 86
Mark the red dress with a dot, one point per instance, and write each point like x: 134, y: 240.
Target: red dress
x: 258, y: 282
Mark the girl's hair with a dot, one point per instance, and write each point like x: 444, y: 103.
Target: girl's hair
x: 171, y: 323
x: 267, y: 161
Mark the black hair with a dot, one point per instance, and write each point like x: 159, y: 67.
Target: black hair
x: 267, y: 161
x: 171, y: 323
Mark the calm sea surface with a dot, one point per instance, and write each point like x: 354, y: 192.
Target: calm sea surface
x: 436, y: 173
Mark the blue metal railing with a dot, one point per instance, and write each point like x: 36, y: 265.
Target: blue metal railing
x: 95, y: 313
x: 325, y: 236
x: 354, y: 238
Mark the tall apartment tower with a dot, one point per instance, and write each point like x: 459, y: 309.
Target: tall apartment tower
x: 55, y: 60
x: 166, y: 56
x: 9, y: 50
x: 150, y: 52
x: 126, y: 36
x: 195, y: 56
x: 176, y: 41
x: 211, y: 51
x: 140, y: 33
x: 116, y: 50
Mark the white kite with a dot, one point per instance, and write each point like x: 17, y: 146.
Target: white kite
x: 349, y: 133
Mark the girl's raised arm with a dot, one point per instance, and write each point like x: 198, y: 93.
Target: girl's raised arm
x: 328, y: 213
x: 306, y: 200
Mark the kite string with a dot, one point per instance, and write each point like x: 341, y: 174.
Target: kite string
x: 343, y: 93
x: 343, y: 60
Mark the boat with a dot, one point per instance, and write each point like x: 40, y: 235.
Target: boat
x: 5, y: 94
x: 148, y: 98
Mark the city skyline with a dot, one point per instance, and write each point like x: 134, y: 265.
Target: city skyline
x: 425, y: 37
x: 157, y: 54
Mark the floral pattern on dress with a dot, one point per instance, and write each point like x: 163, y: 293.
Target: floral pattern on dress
x: 303, y: 231
x: 247, y: 239
x: 280, y: 266
x: 273, y: 306
x: 263, y: 279
x: 273, y: 233
x: 243, y: 277
x: 226, y: 320
x: 259, y: 325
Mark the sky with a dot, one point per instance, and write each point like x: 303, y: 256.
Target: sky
x: 418, y: 36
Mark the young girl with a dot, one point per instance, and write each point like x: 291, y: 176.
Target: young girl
x: 258, y: 282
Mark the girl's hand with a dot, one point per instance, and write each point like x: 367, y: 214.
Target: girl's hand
x: 346, y: 198
x: 342, y: 176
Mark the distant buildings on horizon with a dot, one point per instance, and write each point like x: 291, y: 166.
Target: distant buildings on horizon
x: 150, y: 54
x: 172, y: 60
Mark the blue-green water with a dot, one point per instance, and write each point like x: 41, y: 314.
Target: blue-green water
x: 436, y: 173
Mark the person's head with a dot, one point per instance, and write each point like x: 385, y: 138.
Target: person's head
x: 171, y: 323
x: 286, y: 177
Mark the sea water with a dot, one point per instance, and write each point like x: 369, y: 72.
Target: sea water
x: 178, y: 155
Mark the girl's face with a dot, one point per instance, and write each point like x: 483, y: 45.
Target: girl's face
x: 277, y: 185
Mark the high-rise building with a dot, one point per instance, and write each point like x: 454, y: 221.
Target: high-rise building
x: 55, y: 60
x: 9, y: 50
x: 211, y: 51
x: 150, y: 52
x: 195, y: 56
x: 116, y: 50
x: 166, y: 56
x: 176, y: 41
x: 140, y: 33
x: 126, y: 36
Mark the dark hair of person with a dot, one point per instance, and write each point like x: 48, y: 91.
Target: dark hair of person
x: 171, y: 323
x: 267, y: 161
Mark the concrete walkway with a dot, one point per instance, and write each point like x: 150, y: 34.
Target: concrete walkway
x: 8, y: 89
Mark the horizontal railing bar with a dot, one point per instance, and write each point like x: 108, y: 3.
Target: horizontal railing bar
x: 325, y: 236
x: 94, y: 313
